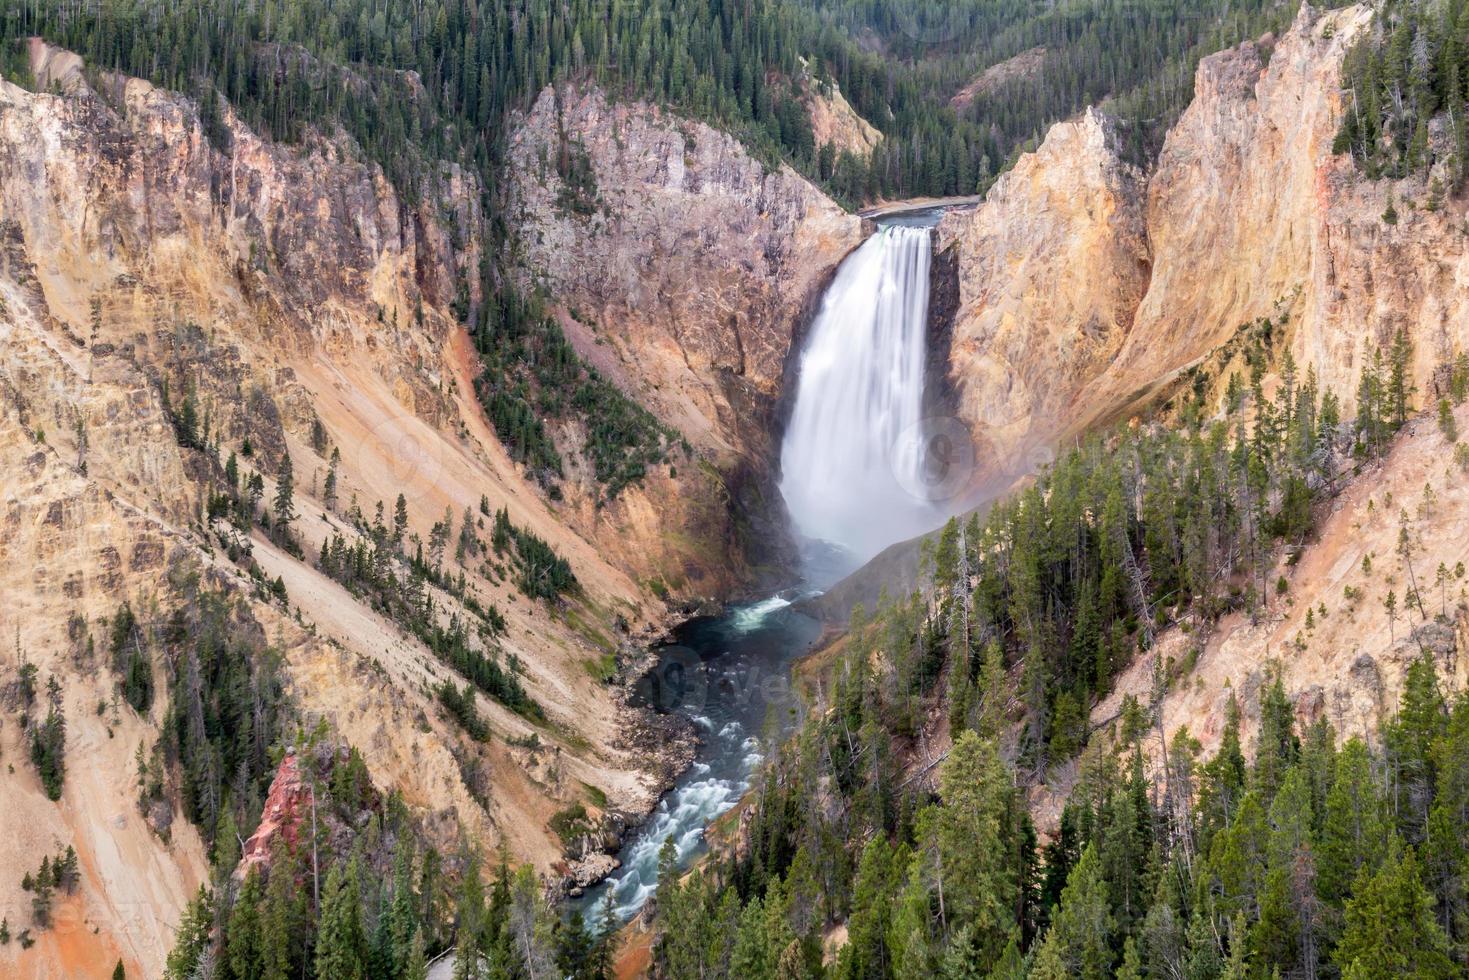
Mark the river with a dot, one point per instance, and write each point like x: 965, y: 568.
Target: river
x: 730, y: 675
x: 855, y: 476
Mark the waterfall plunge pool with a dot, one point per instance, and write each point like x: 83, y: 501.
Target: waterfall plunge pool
x: 855, y: 477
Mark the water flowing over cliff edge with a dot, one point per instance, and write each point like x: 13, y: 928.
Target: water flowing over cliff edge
x: 852, y: 463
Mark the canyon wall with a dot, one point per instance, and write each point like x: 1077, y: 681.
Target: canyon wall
x: 1240, y: 206
x: 690, y: 259
x: 1087, y: 289
x: 300, y: 306
x: 1090, y: 293
x: 1051, y: 268
x: 685, y: 268
x: 303, y: 306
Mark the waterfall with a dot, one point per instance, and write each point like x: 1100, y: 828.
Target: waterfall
x: 852, y: 464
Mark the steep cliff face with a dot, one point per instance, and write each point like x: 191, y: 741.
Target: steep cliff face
x: 684, y: 265
x: 1051, y: 266
x: 1088, y: 289
x: 1239, y: 208
x: 1368, y: 278
x: 299, y: 306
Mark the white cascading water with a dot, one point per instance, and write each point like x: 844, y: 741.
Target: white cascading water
x: 858, y: 472
x: 851, y: 463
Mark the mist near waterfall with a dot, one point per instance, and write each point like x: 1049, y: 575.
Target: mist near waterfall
x: 853, y: 459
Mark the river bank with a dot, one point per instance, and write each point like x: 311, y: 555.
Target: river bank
x: 725, y: 679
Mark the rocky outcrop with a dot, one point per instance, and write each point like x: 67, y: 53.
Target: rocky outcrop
x: 834, y: 122
x: 1020, y: 67
x: 70, y: 551
x: 1051, y: 269
x: 1087, y: 289
x: 286, y: 807
x: 684, y: 265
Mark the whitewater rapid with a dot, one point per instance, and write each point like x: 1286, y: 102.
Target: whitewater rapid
x: 741, y: 690
x: 682, y: 816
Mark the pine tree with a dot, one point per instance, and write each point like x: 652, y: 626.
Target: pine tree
x: 474, y: 924
x: 604, y: 955
x: 994, y: 692
x: 1409, y: 741
x: 1286, y: 932
x: 415, y: 961
x: 918, y: 918
x: 971, y: 829
x: 41, y: 900
x: 67, y: 870
x: 48, y: 743
x: 284, y: 917
x: 186, y: 426
x: 1132, y: 963
x: 340, y: 942
x: 283, y: 509
x: 1390, y: 213
x: 750, y: 956
x: 792, y: 964
x: 1079, y: 939
x: 329, y: 488
x: 879, y: 872
x: 243, y: 954
x: 402, y: 914
x: 1060, y: 857
x: 574, y: 946
x: 1238, y: 856
x: 192, y: 938
x: 1223, y: 780
x: 1390, y: 929
x: 400, y: 521
x: 1400, y: 383
x: 1371, y: 424
x: 1278, y: 747
x: 1446, y: 422
x: 1237, y: 966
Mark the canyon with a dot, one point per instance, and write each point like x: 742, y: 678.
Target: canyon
x: 306, y: 305
x: 306, y: 308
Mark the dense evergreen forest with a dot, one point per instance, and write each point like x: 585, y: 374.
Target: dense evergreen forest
x: 1136, y: 58
x: 437, y: 79
x: 356, y: 895
x: 1315, y: 859
x: 1408, y: 92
